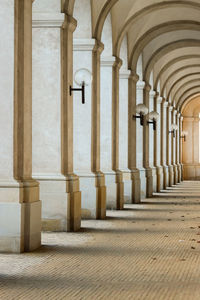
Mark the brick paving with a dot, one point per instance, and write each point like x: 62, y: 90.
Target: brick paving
x: 147, y: 251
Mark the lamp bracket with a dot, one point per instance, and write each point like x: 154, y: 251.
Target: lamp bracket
x: 82, y: 89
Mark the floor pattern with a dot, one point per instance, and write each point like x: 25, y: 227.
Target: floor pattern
x: 147, y: 251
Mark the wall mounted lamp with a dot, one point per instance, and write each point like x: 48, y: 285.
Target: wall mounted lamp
x: 153, y: 118
x: 141, y: 110
x: 173, y: 130
x: 183, y: 135
x: 83, y: 78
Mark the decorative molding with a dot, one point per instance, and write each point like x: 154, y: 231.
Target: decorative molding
x: 108, y: 61
x: 48, y: 20
x: 84, y: 44
x: 140, y: 85
x: 124, y: 74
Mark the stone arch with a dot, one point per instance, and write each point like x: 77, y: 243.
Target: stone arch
x: 147, y: 10
x: 185, y: 77
x: 157, y: 55
x: 158, y: 31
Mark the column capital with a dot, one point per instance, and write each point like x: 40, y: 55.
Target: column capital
x: 118, y: 62
x: 170, y: 107
x: 147, y: 87
x: 133, y: 76
x: 70, y: 23
x: 98, y: 47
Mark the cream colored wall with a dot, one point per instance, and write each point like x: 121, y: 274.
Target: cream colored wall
x: 190, y: 147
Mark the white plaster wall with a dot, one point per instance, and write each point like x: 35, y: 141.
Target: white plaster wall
x: 158, y: 132
x: 139, y: 128
x: 46, y: 101
x: 6, y: 88
x: 82, y: 13
x: 164, y: 134
x: 82, y: 116
x: 170, y: 139
x: 106, y: 37
x: 123, y: 123
x: 106, y: 118
x: 47, y: 6
x: 151, y: 131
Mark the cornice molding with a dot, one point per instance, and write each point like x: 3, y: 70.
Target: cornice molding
x: 84, y: 44
x: 48, y: 20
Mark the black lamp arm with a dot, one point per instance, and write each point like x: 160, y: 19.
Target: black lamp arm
x: 174, y: 133
x: 141, y: 117
x: 152, y: 122
x: 183, y: 137
x: 82, y: 89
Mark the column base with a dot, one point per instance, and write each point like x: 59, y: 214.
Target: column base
x: 179, y: 173
x: 114, y: 190
x: 61, y: 203
x: 20, y: 221
x: 151, y: 179
x: 165, y: 177
x: 136, y: 185
x: 171, y: 175
x: 127, y: 181
x: 143, y: 183
x: 160, y: 175
x: 175, y: 169
x: 93, y: 190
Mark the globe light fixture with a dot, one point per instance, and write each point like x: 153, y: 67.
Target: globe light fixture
x: 83, y: 78
x: 141, y: 111
x: 153, y: 118
x: 184, y: 135
x: 173, y: 129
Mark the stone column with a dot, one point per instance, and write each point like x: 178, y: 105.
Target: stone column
x: 174, y: 145
x: 152, y: 148
x: 87, y: 131
x: 123, y: 134
x: 170, y: 139
x: 181, y: 146
x: 109, y: 131
x: 53, y: 120
x: 178, y: 147
x: 163, y: 135
x: 115, y: 133
x: 135, y: 156
x: 20, y: 208
x: 157, y: 141
x: 146, y: 141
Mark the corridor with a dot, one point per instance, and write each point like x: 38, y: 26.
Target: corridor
x: 146, y: 251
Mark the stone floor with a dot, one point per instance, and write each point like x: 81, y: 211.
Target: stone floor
x: 147, y: 251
